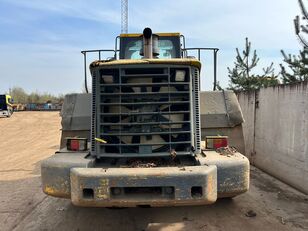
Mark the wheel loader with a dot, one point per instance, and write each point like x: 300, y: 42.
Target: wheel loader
x: 6, y: 105
x: 147, y: 136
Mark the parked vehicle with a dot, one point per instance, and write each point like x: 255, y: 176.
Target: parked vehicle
x: 147, y: 136
x: 6, y: 105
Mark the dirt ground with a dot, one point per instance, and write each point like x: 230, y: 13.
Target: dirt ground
x: 29, y: 137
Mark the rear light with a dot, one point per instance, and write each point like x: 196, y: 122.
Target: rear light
x: 76, y: 144
x: 215, y: 142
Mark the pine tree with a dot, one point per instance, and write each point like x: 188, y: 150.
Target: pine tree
x: 241, y: 76
x: 297, y: 64
x: 299, y: 27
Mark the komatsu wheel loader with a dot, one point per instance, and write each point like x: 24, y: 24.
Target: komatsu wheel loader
x: 146, y: 135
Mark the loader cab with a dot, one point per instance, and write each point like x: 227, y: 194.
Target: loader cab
x: 168, y: 46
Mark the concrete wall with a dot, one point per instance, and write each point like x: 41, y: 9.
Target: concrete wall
x: 276, y: 131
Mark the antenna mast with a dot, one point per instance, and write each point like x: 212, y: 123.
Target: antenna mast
x: 124, y: 16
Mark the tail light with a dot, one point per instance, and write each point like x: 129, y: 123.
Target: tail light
x: 215, y: 142
x: 77, y: 144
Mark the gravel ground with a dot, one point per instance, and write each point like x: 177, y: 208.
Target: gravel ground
x: 29, y: 137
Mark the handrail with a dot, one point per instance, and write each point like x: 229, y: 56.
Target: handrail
x: 99, y: 51
x: 199, y: 49
x: 184, y: 52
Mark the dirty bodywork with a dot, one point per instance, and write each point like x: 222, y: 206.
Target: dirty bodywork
x: 229, y: 172
x: 72, y: 175
x: 146, y: 121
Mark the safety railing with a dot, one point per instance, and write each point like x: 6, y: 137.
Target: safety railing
x: 99, y: 53
x: 184, y: 51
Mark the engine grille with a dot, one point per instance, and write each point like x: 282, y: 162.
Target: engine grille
x: 144, y: 112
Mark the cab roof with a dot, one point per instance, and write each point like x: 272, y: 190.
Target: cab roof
x: 186, y: 61
x: 159, y: 34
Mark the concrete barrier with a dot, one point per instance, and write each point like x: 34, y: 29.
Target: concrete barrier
x: 276, y: 131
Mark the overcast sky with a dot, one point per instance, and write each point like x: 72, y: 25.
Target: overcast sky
x: 40, y: 41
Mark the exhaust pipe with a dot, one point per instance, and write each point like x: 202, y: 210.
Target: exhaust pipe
x: 150, y: 44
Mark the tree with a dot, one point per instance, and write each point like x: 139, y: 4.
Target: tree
x: 34, y: 98
x: 242, y: 77
x: 300, y: 27
x: 19, y: 95
x: 297, y: 64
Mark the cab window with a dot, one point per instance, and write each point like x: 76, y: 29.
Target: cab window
x: 169, y: 47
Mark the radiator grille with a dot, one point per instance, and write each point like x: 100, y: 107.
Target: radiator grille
x: 93, y: 108
x: 144, y: 112
x: 196, y: 83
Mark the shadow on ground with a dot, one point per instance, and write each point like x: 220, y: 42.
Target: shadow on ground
x: 25, y: 207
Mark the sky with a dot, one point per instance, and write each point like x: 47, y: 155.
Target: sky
x: 40, y: 41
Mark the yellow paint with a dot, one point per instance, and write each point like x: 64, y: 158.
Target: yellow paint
x: 180, y: 61
x: 8, y: 98
x: 49, y: 190
x: 159, y: 34
x: 104, y: 182
x: 103, y: 191
x: 101, y: 140
x: 210, y: 189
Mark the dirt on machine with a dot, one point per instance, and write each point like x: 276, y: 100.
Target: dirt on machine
x: 147, y: 135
